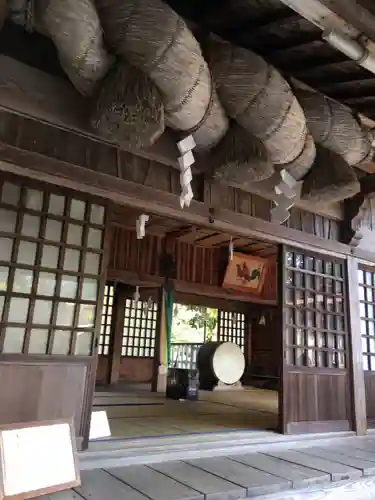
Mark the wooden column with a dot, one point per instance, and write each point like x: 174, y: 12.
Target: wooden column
x: 355, y: 349
x: 158, y: 341
x: 280, y: 336
x: 114, y: 358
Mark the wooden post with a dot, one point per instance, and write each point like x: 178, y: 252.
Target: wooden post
x: 282, y: 424
x: 158, y: 341
x: 355, y: 349
x: 114, y: 358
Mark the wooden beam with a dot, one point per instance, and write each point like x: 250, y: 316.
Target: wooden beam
x: 30, y: 92
x: 150, y: 200
x: 337, y: 14
x: 358, y: 392
x: 140, y: 279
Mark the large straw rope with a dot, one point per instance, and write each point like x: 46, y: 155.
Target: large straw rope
x: 152, y: 37
x: 128, y: 109
x: 333, y: 126
x: 75, y: 29
x: 256, y: 95
x: 331, y: 179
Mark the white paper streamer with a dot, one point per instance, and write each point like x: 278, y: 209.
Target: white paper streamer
x: 141, y: 226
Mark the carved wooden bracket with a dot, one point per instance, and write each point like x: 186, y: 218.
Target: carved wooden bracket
x: 355, y: 210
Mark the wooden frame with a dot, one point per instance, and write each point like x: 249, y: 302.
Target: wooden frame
x: 229, y: 331
x: 45, y: 491
x: 106, y: 330
x: 37, y: 268
x: 358, y: 389
x: 319, y: 283
x: 144, y: 330
x: 315, y: 398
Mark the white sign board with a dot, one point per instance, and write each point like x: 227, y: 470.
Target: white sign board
x: 99, y: 427
x: 37, y: 459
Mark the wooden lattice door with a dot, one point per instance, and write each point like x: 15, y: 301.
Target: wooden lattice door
x: 232, y: 327
x: 315, y: 376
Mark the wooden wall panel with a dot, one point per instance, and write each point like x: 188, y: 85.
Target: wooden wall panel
x: 102, y: 369
x: 237, y: 200
x: 316, y: 402
x: 265, y: 350
x: 196, y: 265
x: 136, y: 370
x: 318, y: 225
x: 370, y: 395
x: 38, y: 390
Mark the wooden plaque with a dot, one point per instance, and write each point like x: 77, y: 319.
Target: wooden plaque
x: 245, y: 273
x: 37, y: 459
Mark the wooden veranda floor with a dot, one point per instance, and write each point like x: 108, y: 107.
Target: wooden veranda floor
x: 342, y: 468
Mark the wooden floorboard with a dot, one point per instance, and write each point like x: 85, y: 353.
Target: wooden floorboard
x: 356, y: 452
x: 256, y: 482
x: 338, y: 472
x: 154, y: 485
x: 261, y: 474
x: 299, y: 475
x: 62, y: 495
x: 367, y: 468
x: 213, y: 487
x: 99, y: 485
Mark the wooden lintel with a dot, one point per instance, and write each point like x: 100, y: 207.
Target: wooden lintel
x: 153, y: 201
x: 178, y: 233
x: 144, y: 280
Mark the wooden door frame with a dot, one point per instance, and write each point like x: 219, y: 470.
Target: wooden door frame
x: 282, y: 424
x: 117, y: 327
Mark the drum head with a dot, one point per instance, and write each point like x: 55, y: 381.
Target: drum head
x: 228, y: 363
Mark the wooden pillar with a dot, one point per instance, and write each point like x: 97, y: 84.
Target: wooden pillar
x: 280, y: 336
x: 159, y: 341
x: 355, y: 349
x: 117, y: 327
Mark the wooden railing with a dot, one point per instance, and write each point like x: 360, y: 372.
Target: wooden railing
x: 184, y: 355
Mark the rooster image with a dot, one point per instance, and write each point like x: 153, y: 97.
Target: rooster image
x: 245, y: 275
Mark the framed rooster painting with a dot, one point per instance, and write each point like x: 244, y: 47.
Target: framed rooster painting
x: 245, y: 273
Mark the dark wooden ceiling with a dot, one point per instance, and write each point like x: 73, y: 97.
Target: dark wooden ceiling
x: 126, y: 218
x: 288, y: 41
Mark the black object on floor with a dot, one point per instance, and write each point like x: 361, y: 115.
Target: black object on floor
x: 182, y: 384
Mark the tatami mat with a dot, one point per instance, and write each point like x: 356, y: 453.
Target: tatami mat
x: 146, y: 414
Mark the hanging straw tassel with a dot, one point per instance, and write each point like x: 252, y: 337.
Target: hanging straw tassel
x: 330, y: 179
x: 152, y: 37
x: 129, y: 109
x: 75, y: 29
x: 240, y: 157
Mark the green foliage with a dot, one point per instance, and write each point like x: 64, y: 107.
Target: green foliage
x: 203, y: 318
x: 193, y: 323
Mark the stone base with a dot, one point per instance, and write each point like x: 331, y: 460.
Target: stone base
x: 162, y: 379
x: 229, y: 387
